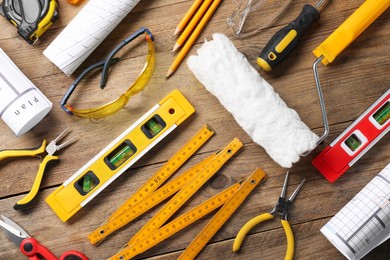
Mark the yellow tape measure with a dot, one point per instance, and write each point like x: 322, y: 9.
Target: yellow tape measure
x: 222, y: 215
x: 166, y: 171
x: 118, y: 156
x: 231, y: 198
x: 187, y: 191
x: 127, y: 215
x: 179, y: 223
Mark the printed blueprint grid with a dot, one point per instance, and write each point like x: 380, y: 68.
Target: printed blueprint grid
x: 86, y: 31
x: 364, y: 222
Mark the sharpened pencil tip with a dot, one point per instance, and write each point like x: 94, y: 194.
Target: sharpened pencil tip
x: 177, y: 46
x: 169, y: 73
x: 177, y: 31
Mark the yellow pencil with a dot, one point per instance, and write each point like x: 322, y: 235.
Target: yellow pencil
x: 194, y: 21
x: 179, y: 58
x: 187, y: 16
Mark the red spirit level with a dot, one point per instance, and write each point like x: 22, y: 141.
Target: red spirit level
x: 356, y: 140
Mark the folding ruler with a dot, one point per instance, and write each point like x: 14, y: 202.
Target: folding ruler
x: 118, y: 156
x: 230, y: 199
x: 190, y: 181
x: 184, y: 186
x: 356, y: 140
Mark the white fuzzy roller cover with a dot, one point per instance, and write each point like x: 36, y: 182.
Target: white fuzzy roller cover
x: 227, y: 74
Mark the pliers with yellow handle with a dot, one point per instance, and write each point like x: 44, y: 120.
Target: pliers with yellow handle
x: 41, y: 150
x: 281, y: 209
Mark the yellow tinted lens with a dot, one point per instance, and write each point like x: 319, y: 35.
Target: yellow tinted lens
x: 138, y: 85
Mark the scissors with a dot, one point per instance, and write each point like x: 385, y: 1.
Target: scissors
x: 281, y: 208
x: 47, y: 153
x: 31, y: 247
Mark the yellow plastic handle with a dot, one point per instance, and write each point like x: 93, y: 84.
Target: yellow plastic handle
x: 347, y: 32
x: 290, y: 240
x: 247, y: 227
x: 22, y: 152
x: 23, y: 203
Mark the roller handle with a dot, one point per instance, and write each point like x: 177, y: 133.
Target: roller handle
x: 287, y: 38
x: 348, y: 31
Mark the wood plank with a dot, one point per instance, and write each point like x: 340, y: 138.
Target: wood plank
x: 350, y: 84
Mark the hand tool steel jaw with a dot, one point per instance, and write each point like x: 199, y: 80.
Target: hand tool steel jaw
x: 46, y: 152
x: 283, y: 205
x: 15, y: 233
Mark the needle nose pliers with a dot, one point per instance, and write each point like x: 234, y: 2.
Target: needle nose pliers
x: 281, y: 208
x: 44, y: 151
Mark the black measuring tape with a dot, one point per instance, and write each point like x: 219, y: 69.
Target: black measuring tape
x: 31, y: 17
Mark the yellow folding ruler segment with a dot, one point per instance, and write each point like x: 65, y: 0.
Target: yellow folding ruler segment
x: 119, y: 155
x: 156, y: 237
x: 187, y: 191
x: 169, y: 168
x: 222, y: 215
x: 129, y: 214
x: 177, y: 224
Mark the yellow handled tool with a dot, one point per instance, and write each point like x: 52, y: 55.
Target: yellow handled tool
x: 345, y: 34
x: 365, y: 15
x: 281, y: 208
x: 39, y: 151
x: 286, y: 39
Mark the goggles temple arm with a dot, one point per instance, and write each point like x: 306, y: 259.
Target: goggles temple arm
x: 69, y: 92
x: 107, y: 62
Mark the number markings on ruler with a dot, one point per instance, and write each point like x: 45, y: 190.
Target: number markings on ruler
x: 170, y: 167
x: 187, y: 191
x: 129, y: 214
x: 178, y: 224
x: 223, y: 215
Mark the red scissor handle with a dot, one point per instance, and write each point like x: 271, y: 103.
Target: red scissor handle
x: 31, y: 248
x: 73, y: 255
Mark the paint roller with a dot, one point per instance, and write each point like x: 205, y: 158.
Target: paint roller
x: 252, y: 101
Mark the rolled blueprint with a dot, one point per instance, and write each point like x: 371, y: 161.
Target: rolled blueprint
x: 22, y: 104
x: 86, y: 31
x: 364, y: 223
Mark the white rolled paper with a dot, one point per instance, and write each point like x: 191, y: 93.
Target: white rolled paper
x: 86, y: 31
x: 22, y: 104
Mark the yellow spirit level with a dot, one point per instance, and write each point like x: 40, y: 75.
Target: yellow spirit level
x: 118, y: 156
x: 32, y: 18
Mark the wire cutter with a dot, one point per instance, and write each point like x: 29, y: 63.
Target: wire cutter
x: 281, y: 208
x: 41, y: 150
x: 31, y: 247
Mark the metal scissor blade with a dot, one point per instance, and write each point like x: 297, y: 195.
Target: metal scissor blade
x: 13, y: 231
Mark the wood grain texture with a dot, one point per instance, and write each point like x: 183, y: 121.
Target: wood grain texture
x: 350, y: 84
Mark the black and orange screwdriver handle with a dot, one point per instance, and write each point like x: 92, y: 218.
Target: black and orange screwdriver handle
x: 285, y: 40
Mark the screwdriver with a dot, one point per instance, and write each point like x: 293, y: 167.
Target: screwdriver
x: 285, y: 40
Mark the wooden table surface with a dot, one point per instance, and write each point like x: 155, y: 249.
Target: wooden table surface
x: 350, y: 84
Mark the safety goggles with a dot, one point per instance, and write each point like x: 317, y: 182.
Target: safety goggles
x: 252, y: 16
x: 117, y: 104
